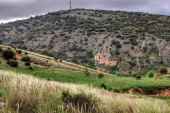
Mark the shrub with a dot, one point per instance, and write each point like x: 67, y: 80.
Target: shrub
x: 1, y: 49
x: 100, y: 75
x: 83, y: 102
x: 163, y: 71
x: 51, y: 104
x: 138, y: 77
x: 26, y: 53
x: 117, y: 91
x: 26, y: 59
x: 24, y: 104
x: 19, y: 51
x: 12, y: 63
x: 3, y: 93
x: 27, y: 64
x: 31, y: 68
x: 8, y: 54
x: 86, y: 72
x: 118, y: 46
x: 60, y: 60
x: 150, y: 74
x: 133, y: 42
x: 103, y: 86
x: 75, y: 60
x: 90, y: 54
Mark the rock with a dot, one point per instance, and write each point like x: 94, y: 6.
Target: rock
x: 165, y: 92
x: 136, y: 91
x: 2, y: 105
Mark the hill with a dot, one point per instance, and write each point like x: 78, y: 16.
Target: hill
x: 42, y: 86
x: 112, y: 40
x: 44, y: 67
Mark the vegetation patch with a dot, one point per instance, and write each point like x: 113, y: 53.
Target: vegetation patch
x: 85, y: 103
x: 31, y: 95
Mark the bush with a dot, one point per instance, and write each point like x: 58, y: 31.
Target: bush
x: 79, y: 102
x: 31, y: 68
x: 26, y: 53
x: 8, y: 54
x: 1, y: 49
x: 100, y: 75
x: 117, y: 90
x: 103, y: 86
x: 86, y: 72
x: 26, y: 59
x: 138, y: 77
x: 3, y: 93
x: 27, y: 104
x: 19, y: 51
x: 27, y: 64
x: 12, y: 63
x: 60, y: 60
x: 150, y: 74
x: 163, y: 71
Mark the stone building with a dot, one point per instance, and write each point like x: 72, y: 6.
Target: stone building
x: 104, y: 58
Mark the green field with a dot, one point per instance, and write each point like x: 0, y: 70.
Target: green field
x: 114, y: 82
x: 108, y: 82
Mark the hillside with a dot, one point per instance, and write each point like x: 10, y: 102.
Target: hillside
x: 44, y: 67
x: 120, y: 41
x: 33, y: 83
x: 20, y: 94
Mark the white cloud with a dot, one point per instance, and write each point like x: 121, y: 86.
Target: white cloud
x: 3, y: 21
x: 16, y: 1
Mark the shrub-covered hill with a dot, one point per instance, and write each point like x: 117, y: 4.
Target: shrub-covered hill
x: 139, y: 40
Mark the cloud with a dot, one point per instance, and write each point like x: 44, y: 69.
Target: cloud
x: 10, y: 9
x: 16, y: 2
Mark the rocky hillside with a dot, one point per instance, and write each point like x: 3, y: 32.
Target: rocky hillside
x: 120, y: 41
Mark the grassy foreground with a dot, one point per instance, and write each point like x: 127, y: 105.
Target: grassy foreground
x: 25, y: 94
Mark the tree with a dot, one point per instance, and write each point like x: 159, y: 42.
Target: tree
x: 19, y: 51
x: 8, y: 54
x: 12, y: 63
x: 26, y: 59
x: 163, y: 71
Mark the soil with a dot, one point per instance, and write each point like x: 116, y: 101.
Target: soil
x: 164, y: 93
x: 160, y: 92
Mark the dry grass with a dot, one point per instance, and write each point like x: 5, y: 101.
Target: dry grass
x: 27, y: 94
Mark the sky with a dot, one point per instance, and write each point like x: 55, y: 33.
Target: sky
x: 11, y: 10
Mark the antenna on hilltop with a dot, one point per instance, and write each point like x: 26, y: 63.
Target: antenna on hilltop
x: 70, y: 4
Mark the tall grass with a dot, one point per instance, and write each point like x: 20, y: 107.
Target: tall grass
x: 26, y: 94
